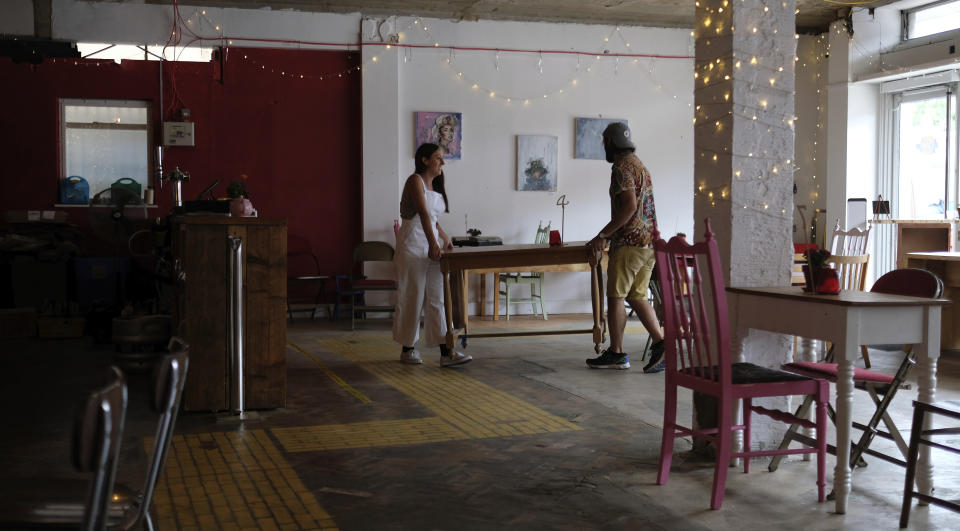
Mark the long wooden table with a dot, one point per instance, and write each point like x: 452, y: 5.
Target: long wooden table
x: 523, y: 257
x: 946, y: 265
x: 482, y: 294
x: 849, y: 319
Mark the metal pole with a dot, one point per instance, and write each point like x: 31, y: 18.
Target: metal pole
x: 235, y: 288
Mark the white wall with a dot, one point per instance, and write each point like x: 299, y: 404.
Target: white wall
x: 811, y: 147
x: 17, y: 17
x: 653, y: 96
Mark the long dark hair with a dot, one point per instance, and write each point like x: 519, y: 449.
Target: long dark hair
x: 425, y: 151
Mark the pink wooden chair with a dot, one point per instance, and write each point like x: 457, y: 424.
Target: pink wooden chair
x: 698, y: 358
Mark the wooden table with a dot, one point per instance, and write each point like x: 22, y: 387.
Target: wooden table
x: 482, y: 295
x: 946, y: 265
x: 522, y: 257
x: 850, y: 319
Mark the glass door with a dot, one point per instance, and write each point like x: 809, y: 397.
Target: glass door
x: 926, y: 147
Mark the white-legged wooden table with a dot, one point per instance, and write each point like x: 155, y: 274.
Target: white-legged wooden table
x: 522, y: 257
x: 848, y: 320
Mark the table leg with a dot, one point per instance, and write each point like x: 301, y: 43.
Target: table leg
x: 496, y: 296
x: 844, y: 352
x: 448, y: 306
x: 482, y: 303
x: 596, y: 303
x: 464, y: 277
x: 927, y: 353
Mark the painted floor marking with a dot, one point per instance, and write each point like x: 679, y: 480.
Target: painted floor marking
x: 233, y: 480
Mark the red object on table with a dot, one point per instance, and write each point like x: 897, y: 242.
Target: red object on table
x: 555, y: 237
x: 827, y: 281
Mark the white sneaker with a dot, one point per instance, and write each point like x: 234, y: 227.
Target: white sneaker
x: 411, y: 356
x: 458, y: 358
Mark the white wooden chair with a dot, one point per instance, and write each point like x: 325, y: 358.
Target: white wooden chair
x: 850, y: 256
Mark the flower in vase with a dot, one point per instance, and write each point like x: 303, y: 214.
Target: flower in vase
x: 237, y: 188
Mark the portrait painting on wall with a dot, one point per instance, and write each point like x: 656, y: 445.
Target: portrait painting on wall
x: 589, y: 137
x: 441, y: 128
x: 536, y: 163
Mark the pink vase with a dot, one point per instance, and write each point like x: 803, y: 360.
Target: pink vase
x: 241, y: 207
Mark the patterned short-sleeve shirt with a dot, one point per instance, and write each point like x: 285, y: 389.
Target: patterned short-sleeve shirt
x: 628, y: 173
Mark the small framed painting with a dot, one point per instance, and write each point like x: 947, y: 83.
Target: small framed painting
x: 589, y: 137
x: 536, y: 163
x: 441, y: 128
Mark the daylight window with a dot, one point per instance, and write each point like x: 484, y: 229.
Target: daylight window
x: 118, y: 52
x: 105, y: 141
x: 930, y: 19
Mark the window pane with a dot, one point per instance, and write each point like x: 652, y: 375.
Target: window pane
x: 101, y: 50
x: 105, y: 115
x: 923, y: 159
x: 106, y: 140
x: 103, y: 156
x: 944, y: 17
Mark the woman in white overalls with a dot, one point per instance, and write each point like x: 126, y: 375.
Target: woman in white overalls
x: 420, y: 243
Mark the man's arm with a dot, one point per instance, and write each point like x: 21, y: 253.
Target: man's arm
x: 624, y: 205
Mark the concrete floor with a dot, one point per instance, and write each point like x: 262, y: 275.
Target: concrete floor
x: 525, y: 437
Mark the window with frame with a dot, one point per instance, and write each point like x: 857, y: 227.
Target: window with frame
x: 930, y: 19
x: 923, y: 148
x: 104, y: 141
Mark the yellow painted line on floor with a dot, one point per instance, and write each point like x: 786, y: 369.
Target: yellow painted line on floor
x: 340, y: 381
x: 233, y: 480
x: 468, y: 406
x: 367, y: 434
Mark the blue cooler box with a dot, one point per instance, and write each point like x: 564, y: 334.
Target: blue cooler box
x: 74, y: 190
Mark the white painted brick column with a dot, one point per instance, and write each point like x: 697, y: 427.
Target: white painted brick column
x: 744, y: 151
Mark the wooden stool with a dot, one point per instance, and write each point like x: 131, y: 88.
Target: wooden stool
x: 918, y: 436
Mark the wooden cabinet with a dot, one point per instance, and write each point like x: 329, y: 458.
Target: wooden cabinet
x: 201, y: 245
x: 922, y: 236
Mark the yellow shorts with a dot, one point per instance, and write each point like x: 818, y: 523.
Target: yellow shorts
x: 628, y: 274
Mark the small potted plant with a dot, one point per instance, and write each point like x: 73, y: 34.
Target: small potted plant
x: 240, y: 205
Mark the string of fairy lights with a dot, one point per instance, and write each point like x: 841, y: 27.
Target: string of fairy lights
x: 417, y: 37
x: 757, y: 79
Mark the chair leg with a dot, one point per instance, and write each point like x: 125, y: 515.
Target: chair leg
x: 669, y: 432
x: 506, y: 304
x: 747, y: 417
x: 914, y: 452
x: 543, y: 304
x: 822, y: 401
x: 723, y: 443
x: 533, y: 299
x: 866, y: 356
x: 802, y: 412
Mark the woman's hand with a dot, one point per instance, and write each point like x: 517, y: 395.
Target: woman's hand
x: 447, y: 245
x: 435, y: 253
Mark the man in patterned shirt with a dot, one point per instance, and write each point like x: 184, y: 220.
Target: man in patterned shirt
x: 629, y: 232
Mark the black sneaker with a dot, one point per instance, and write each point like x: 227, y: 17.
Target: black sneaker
x: 656, y: 363
x: 609, y: 360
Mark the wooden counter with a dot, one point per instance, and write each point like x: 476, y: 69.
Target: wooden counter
x: 201, y: 312
x: 945, y: 265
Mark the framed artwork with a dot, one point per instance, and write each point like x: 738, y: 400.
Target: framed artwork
x: 441, y: 128
x: 536, y: 163
x: 589, y: 137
